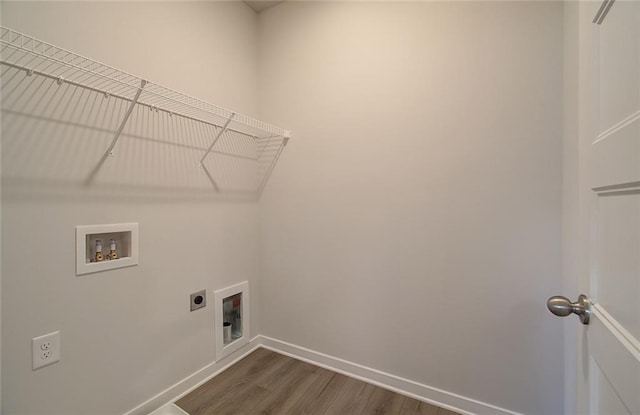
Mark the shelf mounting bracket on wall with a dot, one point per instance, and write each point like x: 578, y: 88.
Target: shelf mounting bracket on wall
x: 285, y: 140
x: 116, y: 137
x: 215, y: 140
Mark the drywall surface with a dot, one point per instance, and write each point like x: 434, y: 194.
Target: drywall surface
x: 413, y: 224
x: 126, y: 334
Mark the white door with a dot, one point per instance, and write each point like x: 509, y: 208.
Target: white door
x: 608, y: 348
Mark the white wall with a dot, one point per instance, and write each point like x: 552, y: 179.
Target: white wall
x: 126, y: 334
x: 414, y: 223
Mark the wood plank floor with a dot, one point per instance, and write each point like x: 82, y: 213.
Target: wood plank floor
x: 269, y: 383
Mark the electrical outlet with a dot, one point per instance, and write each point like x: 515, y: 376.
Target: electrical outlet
x: 45, y: 350
x: 198, y: 300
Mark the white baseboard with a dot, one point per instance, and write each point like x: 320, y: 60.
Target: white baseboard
x: 393, y: 383
x: 169, y: 409
x: 438, y: 397
x: 186, y: 385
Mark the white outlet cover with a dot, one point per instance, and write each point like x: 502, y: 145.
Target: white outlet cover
x: 45, y: 350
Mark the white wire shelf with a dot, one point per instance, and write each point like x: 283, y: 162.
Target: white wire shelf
x: 48, y: 88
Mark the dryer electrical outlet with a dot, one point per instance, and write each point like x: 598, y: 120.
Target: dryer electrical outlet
x: 198, y: 300
x: 45, y: 350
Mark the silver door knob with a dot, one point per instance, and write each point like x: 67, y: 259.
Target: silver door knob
x: 562, y: 306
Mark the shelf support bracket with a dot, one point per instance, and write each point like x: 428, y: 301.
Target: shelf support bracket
x: 285, y: 140
x: 126, y: 118
x: 213, y: 182
x: 215, y: 140
x: 109, y: 151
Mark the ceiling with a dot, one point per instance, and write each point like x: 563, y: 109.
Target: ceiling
x: 261, y: 5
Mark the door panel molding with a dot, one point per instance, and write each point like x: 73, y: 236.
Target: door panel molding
x: 617, y: 363
x: 603, y: 11
x: 616, y: 162
x: 617, y: 330
x: 628, y: 188
x: 617, y: 127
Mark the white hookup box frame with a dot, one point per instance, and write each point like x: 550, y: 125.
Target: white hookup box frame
x: 222, y: 349
x: 126, y: 237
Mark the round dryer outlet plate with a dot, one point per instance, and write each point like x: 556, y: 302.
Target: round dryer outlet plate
x: 198, y: 300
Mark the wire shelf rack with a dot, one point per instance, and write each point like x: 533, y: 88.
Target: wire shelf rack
x: 46, y: 88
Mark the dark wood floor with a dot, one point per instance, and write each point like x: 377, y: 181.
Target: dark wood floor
x: 270, y: 383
